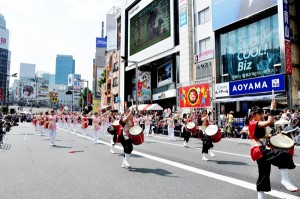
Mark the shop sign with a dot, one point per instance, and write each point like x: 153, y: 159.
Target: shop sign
x: 222, y: 90
x: 204, y: 56
x: 257, y: 85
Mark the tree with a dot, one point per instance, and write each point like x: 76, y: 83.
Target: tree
x: 84, y: 96
x: 102, y: 80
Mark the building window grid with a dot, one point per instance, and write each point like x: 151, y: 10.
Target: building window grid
x: 203, y: 16
x: 204, y: 45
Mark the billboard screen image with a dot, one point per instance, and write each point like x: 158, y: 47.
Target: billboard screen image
x: 150, y: 25
x: 194, y: 96
x: 252, y: 50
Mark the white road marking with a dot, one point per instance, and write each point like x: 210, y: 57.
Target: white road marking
x: 230, y: 180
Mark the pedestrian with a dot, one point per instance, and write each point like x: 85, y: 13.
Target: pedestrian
x: 265, y: 156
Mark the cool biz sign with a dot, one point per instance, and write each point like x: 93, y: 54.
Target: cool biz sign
x: 257, y: 85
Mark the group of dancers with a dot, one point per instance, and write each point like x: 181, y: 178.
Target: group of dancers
x: 260, y: 152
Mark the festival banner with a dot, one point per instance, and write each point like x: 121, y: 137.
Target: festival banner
x: 194, y: 96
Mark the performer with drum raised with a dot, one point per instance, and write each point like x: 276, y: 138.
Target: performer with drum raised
x: 206, y: 139
x: 265, y: 156
x: 127, y: 123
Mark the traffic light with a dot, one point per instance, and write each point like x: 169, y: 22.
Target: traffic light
x: 53, y: 97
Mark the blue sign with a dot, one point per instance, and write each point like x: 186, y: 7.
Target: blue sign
x: 237, y: 9
x: 101, y: 42
x: 183, y: 15
x: 286, y: 19
x: 257, y: 85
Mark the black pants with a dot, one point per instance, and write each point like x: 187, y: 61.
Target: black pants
x: 207, y: 143
x: 115, y: 137
x: 186, y: 135
x: 276, y: 157
x: 127, y: 144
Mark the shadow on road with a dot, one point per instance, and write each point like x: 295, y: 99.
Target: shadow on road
x: 230, y: 162
x: 160, y: 172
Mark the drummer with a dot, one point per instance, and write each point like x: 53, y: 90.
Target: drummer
x: 127, y: 123
x: 207, y: 142
x: 186, y: 133
x: 113, y: 138
x: 264, y: 156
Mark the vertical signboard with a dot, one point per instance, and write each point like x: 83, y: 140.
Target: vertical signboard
x: 182, y: 13
x: 90, y: 98
x: 287, y: 43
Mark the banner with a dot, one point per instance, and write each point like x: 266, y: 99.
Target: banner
x: 90, y: 98
x: 195, y: 96
x: 257, y: 85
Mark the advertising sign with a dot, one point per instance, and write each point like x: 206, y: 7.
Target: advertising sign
x: 204, y: 56
x: 144, y: 86
x: 183, y: 15
x: 288, y: 58
x: 257, y: 85
x: 286, y: 19
x: 194, y: 96
x: 101, y: 42
x: 90, y: 98
x: 222, y: 90
x: 150, y: 25
x: 4, y: 38
x: 252, y: 50
x: 77, y: 84
x: 1, y: 93
x: 29, y: 89
x: 238, y: 10
x: 70, y: 79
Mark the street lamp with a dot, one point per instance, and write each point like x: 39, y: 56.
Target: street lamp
x: 87, y: 91
x: 136, y: 79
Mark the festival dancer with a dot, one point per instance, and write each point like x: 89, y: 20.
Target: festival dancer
x: 46, y: 125
x: 186, y: 133
x: 52, y: 128
x: 84, y: 124
x: 171, y: 127
x: 113, y: 138
x: 96, y: 123
x: 207, y: 142
x: 265, y: 156
x: 147, y: 121
x: 41, y: 123
x: 126, y: 122
x: 75, y: 122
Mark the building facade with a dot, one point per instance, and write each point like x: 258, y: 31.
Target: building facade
x: 4, y: 61
x: 65, y: 64
x: 257, y: 56
x: 27, y: 70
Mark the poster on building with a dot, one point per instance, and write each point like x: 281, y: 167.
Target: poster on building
x: 194, y: 96
x: 29, y: 89
x: 251, y: 51
x: 76, y: 83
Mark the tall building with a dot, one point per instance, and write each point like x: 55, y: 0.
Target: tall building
x: 65, y: 65
x: 4, y: 60
x: 2, y: 22
x: 27, y: 70
x: 51, y: 79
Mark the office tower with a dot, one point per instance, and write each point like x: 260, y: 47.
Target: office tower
x: 65, y: 65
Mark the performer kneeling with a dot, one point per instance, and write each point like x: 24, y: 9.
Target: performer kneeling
x: 127, y: 123
x: 207, y: 142
x: 265, y: 156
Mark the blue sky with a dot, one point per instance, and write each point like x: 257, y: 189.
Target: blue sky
x: 41, y: 29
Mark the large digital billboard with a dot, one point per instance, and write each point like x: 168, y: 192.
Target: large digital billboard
x: 252, y: 50
x: 238, y: 10
x: 150, y: 27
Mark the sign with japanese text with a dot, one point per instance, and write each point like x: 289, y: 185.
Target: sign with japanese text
x: 222, y: 90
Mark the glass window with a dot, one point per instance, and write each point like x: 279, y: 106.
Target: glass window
x: 204, y: 45
x: 250, y: 51
x: 115, y: 82
x: 203, y: 16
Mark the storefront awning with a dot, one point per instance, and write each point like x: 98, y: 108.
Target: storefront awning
x: 149, y: 107
x: 246, y: 98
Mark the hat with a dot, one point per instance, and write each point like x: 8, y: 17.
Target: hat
x: 289, y: 129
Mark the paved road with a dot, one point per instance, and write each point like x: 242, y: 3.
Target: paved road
x: 32, y: 169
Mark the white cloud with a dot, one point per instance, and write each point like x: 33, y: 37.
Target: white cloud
x: 41, y: 29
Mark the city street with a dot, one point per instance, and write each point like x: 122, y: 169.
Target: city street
x: 78, y: 168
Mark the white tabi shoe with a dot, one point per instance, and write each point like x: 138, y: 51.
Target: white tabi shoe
x: 261, y: 195
x: 112, y: 150
x: 286, y: 181
x: 211, y: 153
x: 204, y: 157
x: 126, y: 161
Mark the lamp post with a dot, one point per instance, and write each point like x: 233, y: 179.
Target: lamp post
x: 136, y: 79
